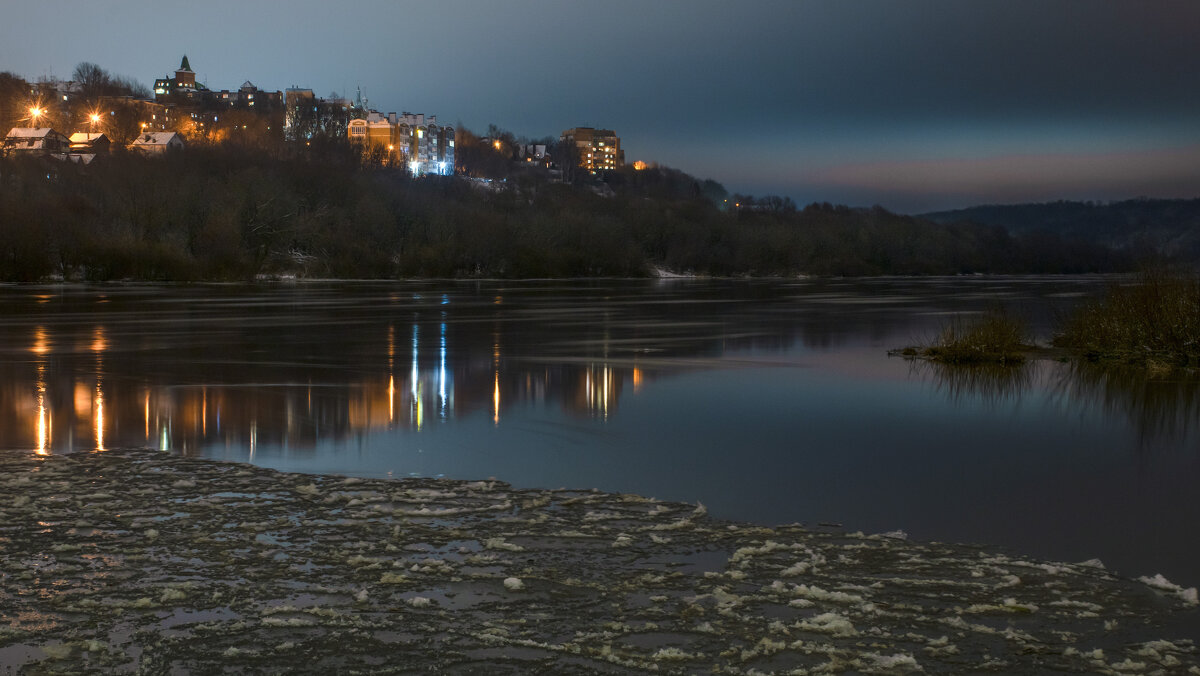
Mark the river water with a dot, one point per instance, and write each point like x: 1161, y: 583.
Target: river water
x: 767, y: 401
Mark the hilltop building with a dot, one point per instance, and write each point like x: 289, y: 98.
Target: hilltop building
x: 598, y: 149
x: 183, y: 84
x: 408, y: 139
x: 191, y: 108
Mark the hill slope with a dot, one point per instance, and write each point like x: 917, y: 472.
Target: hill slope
x: 1168, y: 227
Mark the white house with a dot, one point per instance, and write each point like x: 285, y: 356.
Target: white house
x: 157, y: 142
x: 40, y: 140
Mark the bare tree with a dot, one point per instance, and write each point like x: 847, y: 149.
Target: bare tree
x: 93, y: 80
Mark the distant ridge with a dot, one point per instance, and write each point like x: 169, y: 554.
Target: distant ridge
x: 1144, y: 227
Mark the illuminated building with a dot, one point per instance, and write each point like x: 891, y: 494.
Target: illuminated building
x: 193, y: 109
x: 85, y: 142
x: 408, y: 139
x: 599, y: 149
x: 184, y: 82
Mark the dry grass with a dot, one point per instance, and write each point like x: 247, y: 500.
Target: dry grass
x: 995, y: 337
x: 1154, y: 322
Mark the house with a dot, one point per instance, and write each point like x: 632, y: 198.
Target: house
x: 36, y: 140
x: 89, y: 144
x: 157, y: 142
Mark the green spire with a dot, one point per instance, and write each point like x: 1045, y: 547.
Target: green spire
x: 185, y: 65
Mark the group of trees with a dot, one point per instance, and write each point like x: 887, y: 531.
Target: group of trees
x: 1167, y: 228
x: 230, y: 213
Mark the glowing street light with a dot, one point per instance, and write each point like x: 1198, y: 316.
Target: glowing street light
x: 34, y: 113
x: 496, y: 145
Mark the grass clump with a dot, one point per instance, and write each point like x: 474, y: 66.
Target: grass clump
x: 1154, y: 322
x: 995, y: 337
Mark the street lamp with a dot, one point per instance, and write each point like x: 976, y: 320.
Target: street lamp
x: 35, y: 113
x: 95, y: 118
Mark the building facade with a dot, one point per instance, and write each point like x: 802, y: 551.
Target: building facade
x: 411, y: 140
x: 192, y: 109
x: 36, y: 141
x: 599, y: 149
x: 157, y: 143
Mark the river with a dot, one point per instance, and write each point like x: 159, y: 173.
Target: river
x: 772, y: 401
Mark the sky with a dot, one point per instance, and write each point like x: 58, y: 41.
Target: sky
x: 915, y: 105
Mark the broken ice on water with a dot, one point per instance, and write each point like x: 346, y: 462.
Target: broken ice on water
x: 136, y: 561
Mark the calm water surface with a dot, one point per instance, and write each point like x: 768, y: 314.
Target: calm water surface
x: 770, y: 401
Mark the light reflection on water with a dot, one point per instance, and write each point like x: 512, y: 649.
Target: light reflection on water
x: 769, y: 401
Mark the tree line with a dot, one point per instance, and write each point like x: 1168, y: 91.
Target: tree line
x: 230, y: 212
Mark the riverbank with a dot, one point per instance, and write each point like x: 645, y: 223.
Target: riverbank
x: 237, y: 214
x: 139, y: 560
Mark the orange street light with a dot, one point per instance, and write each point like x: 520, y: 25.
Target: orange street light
x: 496, y: 145
x: 35, y: 113
x: 94, y: 118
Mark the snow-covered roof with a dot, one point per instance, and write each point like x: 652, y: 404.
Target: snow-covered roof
x: 156, y: 138
x: 30, y: 132
x: 85, y: 137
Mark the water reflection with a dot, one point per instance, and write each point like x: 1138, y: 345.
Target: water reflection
x: 1159, y: 406
x: 186, y: 369
x: 993, y: 383
x: 103, y: 396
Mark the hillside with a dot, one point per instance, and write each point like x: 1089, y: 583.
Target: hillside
x: 224, y: 212
x: 1140, y: 227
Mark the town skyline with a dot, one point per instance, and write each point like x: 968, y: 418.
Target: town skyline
x: 916, y: 107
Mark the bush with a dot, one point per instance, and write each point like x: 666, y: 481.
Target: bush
x: 995, y: 337
x: 1153, y: 322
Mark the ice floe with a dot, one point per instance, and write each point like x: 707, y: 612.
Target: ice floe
x: 138, y: 561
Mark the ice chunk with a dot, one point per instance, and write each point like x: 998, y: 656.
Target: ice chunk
x: 1159, y: 582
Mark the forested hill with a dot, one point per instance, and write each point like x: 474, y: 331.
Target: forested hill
x: 1168, y: 227
x: 214, y: 213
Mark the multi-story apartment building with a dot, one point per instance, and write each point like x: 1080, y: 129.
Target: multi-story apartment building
x: 598, y: 149
x: 408, y: 139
